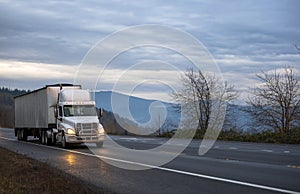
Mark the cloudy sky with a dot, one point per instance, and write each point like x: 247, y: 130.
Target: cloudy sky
x: 44, y: 42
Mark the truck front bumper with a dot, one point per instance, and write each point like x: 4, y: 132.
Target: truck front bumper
x: 84, y: 139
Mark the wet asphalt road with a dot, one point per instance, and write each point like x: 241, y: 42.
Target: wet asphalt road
x: 229, y: 167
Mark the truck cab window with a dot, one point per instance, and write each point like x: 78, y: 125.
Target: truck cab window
x: 79, y: 110
x: 68, y: 111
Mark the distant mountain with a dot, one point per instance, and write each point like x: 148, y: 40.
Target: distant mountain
x: 138, y: 108
x: 238, y: 117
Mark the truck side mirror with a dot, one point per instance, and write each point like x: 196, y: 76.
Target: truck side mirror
x: 55, y: 112
x: 100, y: 112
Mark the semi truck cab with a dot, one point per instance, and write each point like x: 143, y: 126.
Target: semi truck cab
x: 77, y: 119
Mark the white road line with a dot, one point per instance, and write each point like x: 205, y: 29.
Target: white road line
x: 10, y: 139
x: 286, y: 152
x: 168, y: 169
x: 233, y: 148
x: 267, y: 151
x: 7, y: 129
x: 127, y: 138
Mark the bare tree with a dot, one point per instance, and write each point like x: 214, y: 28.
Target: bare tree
x: 276, y: 102
x: 158, y: 123
x: 297, y: 47
x: 199, y: 91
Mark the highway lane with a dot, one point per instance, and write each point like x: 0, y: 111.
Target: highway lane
x: 230, y: 167
x: 280, y: 154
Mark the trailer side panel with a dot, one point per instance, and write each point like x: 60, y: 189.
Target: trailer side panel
x: 31, y: 110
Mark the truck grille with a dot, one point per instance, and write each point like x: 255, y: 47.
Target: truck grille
x: 87, y: 129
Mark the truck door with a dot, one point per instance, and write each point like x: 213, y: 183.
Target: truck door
x: 59, y: 117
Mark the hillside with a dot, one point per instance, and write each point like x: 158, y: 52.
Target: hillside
x: 238, y: 117
x: 139, y: 109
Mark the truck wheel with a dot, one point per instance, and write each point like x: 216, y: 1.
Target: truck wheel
x: 53, y: 136
x: 41, y: 136
x: 64, y: 144
x: 48, y: 141
x: 45, y: 138
x: 99, y: 144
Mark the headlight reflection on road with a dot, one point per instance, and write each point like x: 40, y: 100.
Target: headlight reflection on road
x: 70, y: 158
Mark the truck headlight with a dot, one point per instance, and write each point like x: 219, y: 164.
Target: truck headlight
x: 100, y: 129
x: 70, y: 131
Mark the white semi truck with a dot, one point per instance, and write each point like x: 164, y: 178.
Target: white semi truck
x: 58, y: 113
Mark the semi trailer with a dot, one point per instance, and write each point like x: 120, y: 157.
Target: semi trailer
x: 60, y: 113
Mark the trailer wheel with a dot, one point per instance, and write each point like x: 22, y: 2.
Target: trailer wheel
x: 40, y: 136
x: 19, y: 134
x: 64, y: 144
x: 43, y: 137
x: 23, y: 135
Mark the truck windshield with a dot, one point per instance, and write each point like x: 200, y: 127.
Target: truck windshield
x: 79, y: 110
